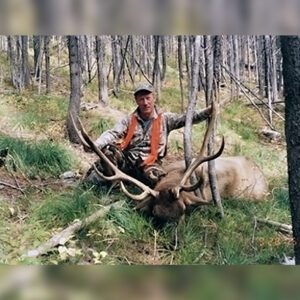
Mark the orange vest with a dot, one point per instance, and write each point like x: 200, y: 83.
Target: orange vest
x: 155, y: 137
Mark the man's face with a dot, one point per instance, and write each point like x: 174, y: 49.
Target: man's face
x: 145, y: 102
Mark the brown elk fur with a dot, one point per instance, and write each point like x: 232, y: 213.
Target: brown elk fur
x: 238, y: 177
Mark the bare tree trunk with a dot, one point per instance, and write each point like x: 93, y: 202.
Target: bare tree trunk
x: 102, y: 69
x: 192, y: 103
x: 290, y: 46
x: 88, y: 57
x: 236, y: 56
x: 211, y: 66
x: 164, y: 57
x: 47, y: 63
x: 25, y: 73
x: 188, y: 55
x: 75, y: 85
x: 37, y: 47
x: 261, y: 65
x: 14, y: 62
x: 156, y: 74
x: 116, y: 64
x: 180, y: 71
x: 217, y: 55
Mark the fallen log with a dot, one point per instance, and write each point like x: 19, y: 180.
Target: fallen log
x: 11, y: 186
x: 62, y: 237
x: 284, y: 228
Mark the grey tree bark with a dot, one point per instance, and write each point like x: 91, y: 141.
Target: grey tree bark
x: 180, y: 69
x: 187, y: 139
x: 25, y: 73
x: 47, y: 63
x: 75, y: 86
x: 212, y: 66
x: 102, y: 69
x: 290, y: 46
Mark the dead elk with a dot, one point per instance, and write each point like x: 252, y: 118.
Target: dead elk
x: 238, y: 177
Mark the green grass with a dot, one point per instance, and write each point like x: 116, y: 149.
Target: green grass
x: 58, y: 210
x: 36, y: 158
x: 101, y: 125
x: 39, y: 111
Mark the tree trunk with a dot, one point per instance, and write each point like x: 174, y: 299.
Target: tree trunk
x: 180, y: 71
x: 37, y: 47
x: 47, y: 63
x: 25, y: 74
x: 116, y: 63
x: 164, y: 57
x: 14, y: 62
x: 75, y: 85
x: 210, y: 69
x: 290, y: 46
x: 192, y: 103
x: 260, y: 65
x: 156, y: 74
x: 102, y: 69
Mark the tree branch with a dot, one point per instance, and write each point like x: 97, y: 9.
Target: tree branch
x: 63, y: 236
x: 285, y: 228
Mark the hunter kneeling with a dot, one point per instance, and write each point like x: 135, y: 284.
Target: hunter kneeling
x: 138, y: 143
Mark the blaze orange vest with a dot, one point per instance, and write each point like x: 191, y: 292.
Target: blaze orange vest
x: 155, y: 137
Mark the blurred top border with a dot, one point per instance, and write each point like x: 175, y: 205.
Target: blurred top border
x: 149, y: 17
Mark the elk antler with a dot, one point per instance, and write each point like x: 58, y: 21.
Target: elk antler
x: 197, y: 162
x: 200, y: 159
x: 118, y: 174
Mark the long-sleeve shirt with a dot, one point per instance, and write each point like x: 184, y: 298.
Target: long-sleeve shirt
x: 139, y: 147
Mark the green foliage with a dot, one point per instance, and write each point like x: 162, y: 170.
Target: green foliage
x: 135, y: 225
x: 59, y: 210
x: 36, y: 158
x: 101, y: 125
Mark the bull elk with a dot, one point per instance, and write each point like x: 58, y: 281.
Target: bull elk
x: 238, y: 177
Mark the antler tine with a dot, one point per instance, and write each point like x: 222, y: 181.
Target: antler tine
x: 199, y: 159
x: 119, y: 175
x: 193, y: 187
x: 140, y: 197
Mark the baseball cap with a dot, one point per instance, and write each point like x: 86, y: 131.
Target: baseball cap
x: 143, y: 87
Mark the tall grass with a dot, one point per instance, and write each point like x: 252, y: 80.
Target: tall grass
x: 41, y: 158
x: 58, y: 210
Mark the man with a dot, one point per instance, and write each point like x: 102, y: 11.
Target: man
x: 138, y: 143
